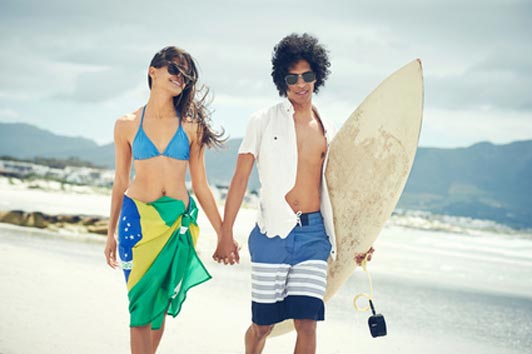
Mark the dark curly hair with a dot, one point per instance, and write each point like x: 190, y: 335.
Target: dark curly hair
x: 293, y: 48
x: 193, y: 101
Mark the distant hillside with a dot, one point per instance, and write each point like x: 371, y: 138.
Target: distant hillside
x: 221, y: 164
x: 481, y: 181
x: 104, y: 154
x: 27, y: 141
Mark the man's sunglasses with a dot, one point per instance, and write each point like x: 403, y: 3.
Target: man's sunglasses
x: 291, y: 79
x: 174, y: 69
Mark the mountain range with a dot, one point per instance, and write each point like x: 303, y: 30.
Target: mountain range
x: 483, y: 181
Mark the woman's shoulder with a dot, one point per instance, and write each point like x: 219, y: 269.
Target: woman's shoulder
x: 191, y: 126
x: 128, y: 120
x: 190, y: 123
x: 130, y: 117
x: 127, y: 124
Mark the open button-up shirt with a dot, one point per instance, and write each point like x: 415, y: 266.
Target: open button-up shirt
x: 271, y: 138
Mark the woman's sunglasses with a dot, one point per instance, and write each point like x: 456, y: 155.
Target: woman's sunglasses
x: 291, y: 79
x: 174, y: 69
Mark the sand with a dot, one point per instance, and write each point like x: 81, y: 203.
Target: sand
x: 58, y: 296
x: 440, y: 292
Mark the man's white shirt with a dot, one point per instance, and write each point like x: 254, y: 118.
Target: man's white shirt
x: 271, y: 138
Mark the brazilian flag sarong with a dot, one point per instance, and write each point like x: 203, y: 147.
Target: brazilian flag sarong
x: 156, y: 245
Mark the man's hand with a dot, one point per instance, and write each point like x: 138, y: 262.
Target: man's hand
x: 227, y: 250
x: 359, y: 257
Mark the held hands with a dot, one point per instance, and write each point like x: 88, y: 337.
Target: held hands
x: 359, y: 257
x: 227, y: 250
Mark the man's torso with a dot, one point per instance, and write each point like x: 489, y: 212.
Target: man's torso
x: 311, y: 152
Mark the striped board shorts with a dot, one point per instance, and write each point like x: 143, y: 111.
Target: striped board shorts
x: 289, y: 275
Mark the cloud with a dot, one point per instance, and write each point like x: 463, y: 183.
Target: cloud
x: 498, y: 127
x: 9, y: 115
x: 499, y: 81
x: 101, y: 85
x: 67, y: 55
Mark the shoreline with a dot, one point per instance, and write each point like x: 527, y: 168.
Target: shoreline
x: 78, y: 220
x: 74, y: 223
x: 400, y: 247
x: 54, y: 198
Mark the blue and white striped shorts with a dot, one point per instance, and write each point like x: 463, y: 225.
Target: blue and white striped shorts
x: 289, y: 275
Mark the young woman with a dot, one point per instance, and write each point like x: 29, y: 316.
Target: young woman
x: 155, y: 215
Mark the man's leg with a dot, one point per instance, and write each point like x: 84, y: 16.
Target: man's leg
x: 306, y: 336
x: 256, y: 338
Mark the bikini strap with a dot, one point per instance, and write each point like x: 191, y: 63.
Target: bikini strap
x: 142, y: 117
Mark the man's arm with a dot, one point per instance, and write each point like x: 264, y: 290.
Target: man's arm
x: 225, y: 252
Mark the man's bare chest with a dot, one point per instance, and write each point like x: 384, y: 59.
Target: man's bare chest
x: 311, y: 141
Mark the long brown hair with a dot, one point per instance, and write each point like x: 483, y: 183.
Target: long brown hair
x: 193, y: 101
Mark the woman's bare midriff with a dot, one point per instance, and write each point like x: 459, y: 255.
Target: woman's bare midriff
x: 159, y: 176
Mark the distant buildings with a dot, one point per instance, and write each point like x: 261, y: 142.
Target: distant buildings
x: 92, y: 177
x: 73, y: 175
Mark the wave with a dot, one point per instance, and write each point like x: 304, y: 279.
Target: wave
x: 425, y: 220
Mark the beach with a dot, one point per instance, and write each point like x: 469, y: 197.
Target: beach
x: 440, y: 292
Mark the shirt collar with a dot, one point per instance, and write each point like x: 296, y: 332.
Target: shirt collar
x: 287, y: 106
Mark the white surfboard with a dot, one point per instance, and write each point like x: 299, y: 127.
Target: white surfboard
x: 369, y: 162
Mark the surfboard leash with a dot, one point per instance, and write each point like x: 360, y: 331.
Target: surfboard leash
x: 376, y: 322
x: 369, y: 296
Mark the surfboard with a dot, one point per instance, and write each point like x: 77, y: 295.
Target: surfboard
x: 370, y: 159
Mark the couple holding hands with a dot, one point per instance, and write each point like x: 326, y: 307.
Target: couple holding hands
x: 154, y: 217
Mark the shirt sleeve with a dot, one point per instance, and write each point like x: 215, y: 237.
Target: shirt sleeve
x: 252, y: 140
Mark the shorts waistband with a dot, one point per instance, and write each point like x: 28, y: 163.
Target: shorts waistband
x: 311, y: 218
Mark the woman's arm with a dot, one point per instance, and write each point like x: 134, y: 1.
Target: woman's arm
x: 200, y: 185
x: 120, y: 184
x: 237, y: 189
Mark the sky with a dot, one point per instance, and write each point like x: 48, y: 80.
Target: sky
x: 74, y: 67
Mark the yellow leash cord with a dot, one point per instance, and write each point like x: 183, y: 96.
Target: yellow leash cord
x: 376, y: 322
x: 366, y: 295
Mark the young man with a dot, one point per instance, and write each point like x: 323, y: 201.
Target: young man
x: 294, y: 235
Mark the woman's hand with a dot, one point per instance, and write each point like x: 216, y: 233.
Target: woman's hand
x: 110, y: 252
x: 227, y: 250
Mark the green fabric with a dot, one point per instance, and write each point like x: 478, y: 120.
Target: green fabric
x: 169, y: 208
x: 176, y: 269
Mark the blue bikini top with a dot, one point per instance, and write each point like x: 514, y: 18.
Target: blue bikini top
x: 143, y: 148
